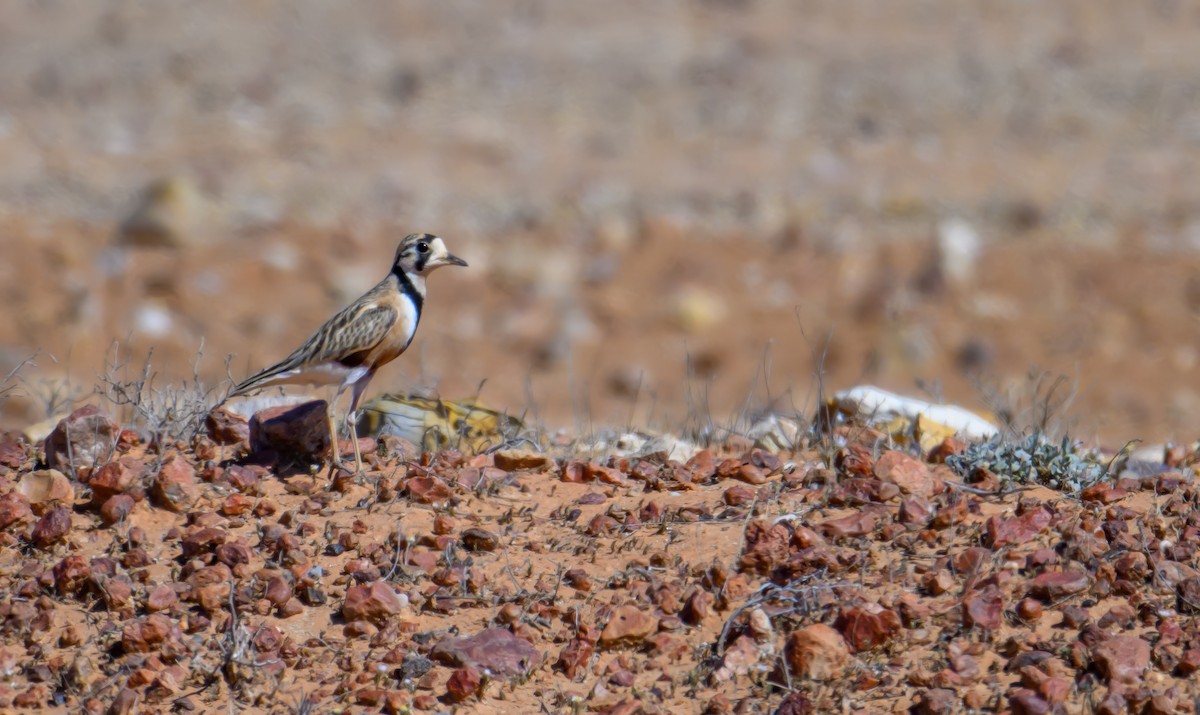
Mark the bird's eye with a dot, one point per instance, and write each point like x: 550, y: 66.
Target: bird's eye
x: 422, y: 247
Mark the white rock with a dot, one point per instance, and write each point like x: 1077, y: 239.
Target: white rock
x: 153, y: 320
x: 877, y: 405
x: 281, y: 256
x: 958, y: 247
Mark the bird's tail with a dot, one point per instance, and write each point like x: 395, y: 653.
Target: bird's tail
x: 262, y: 379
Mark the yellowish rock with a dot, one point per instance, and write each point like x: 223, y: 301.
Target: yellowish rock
x: 698, y: 310
x: 172, y: 212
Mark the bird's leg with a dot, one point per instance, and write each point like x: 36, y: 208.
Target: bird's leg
x: 335, y: 449
x: 351, y: 421
x: 352, y: 416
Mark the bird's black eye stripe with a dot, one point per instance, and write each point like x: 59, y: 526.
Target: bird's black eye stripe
x: 422, y: 247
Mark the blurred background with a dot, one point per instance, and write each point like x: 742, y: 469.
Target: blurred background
x: 674, y: 211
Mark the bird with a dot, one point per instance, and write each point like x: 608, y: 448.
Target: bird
x: 364, y: 336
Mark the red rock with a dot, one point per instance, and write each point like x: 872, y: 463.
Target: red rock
x: 226, y: 428
x: 85, y: 438
x: 953, y: 513
x: 211, y: 597
x: 291, y: 433
x: 854, y: 490
x: 764, y: 460
x: 749, y: 474
x: 161, y: 598
x: 1187, y: 595
x: 625, y: 707
x: 112, y: 479
x: 136, y: 558
x: 739, y: 495
x: 427, y: 490
x: 443, y: 524
x: 628, y: 625
x: 36, y: 696
x: 937, y: 701
x: 427, y: 561
x: 359, y: 629
x: 174, y: 487
x: 948, y: 448
x: 291, y: 607
x: 851, y: 526
x: 605, y: 475
x: 1189, y: 662
x: 511, y: 460
x: 52, y: 527
x: 1132, y: 565
x: 1120, y: 615
x: 233, y: 554
x: 909, y: 473
x: 278, y: 590
x: 702, y: 465
x: 236, y: 505
x: 116, y: 508
x: 476, y: 539
x: 14, y: 509
x: 118, y: 594
x: 463, y: 683
x: 71, y: 574
x: 1041, y: 558
x: 865, y: 629
x: 374, y: 602
x: 146, y: 634
x: 202, y: 541
x: 697, y: 607
x: 576, y: 655
x: 1103, y: 492
x: 495, y: 651
x: 125, y: 703
x: 578, y: 579
x: 972, y: 561
x: 1017, y: 530
x: 1029, y: 609
x: 371, y: 697
x: 855, y: 460
x: 766, y: 547
x: 14, y: 450
x: 1114, y: 703
x: 983, y: 609
x: 247, y: 480
x: 915, y: 510
x: 816, y: 652
x: 1122, y: 660
x: 1055, y: 689
x: 1024, y: 701
x: 573, y: 473
x: 1055, y: 585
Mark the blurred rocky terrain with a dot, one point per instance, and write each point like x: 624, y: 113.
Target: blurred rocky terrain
x: 671, y: 212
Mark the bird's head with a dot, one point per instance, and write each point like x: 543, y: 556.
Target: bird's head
x: 421, y: 253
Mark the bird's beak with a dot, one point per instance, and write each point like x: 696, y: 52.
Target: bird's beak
x: 452, y: 260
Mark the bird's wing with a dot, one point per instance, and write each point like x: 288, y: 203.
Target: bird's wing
x: 353, y: 331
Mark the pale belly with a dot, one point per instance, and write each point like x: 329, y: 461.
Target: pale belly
x: 328, y: 374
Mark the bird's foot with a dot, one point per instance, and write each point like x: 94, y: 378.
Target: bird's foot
x: 342, y: 474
